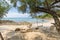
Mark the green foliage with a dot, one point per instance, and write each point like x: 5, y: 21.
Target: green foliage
x: 14, y: 2
x: 25, y: 3
x: 44, y: 16
x: 4, y: 7
x: 58, y: 12
x: 22, y: 8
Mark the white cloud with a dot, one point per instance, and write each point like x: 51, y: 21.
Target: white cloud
x: 13, y: 15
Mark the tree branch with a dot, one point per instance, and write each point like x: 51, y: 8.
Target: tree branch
x: 56, y: 1
x: 56, y: 6
x: 42, y: 9
x: 47, y: 4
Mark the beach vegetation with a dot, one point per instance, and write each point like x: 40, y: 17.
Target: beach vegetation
x: 4, y: 7
x: 45, y: 16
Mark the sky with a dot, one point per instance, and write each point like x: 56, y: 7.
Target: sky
x: 13, y: 13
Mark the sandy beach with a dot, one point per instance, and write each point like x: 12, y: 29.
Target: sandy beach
x: 4, y: 29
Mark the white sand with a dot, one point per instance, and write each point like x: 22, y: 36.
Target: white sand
x: 32, y: 35
x: 44, y: 24
x: 6, y: 28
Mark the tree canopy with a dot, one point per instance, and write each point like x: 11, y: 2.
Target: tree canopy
x: 4, y: 7
x: 33, y: 5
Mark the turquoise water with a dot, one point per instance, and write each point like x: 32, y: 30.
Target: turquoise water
x: 25, y: 19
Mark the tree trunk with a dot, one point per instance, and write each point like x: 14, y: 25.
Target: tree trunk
x: 56, y: 19
x: 53, y: 14
x: 57, y: 23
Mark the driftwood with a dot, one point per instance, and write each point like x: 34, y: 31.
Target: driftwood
x: 1, y: 36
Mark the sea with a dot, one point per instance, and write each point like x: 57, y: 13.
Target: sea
x: 26, y: 19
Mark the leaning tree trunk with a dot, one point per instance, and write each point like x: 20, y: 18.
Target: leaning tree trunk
x: 53, y: 14
x: 56, y: 19
x: 57, y: 23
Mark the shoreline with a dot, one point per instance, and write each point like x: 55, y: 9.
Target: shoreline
x: 16, y: 24
x: 9, y: 22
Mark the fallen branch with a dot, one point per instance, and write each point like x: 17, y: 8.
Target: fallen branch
x: 1, y: 36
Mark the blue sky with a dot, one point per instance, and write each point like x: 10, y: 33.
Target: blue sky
x: 12, y: 13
